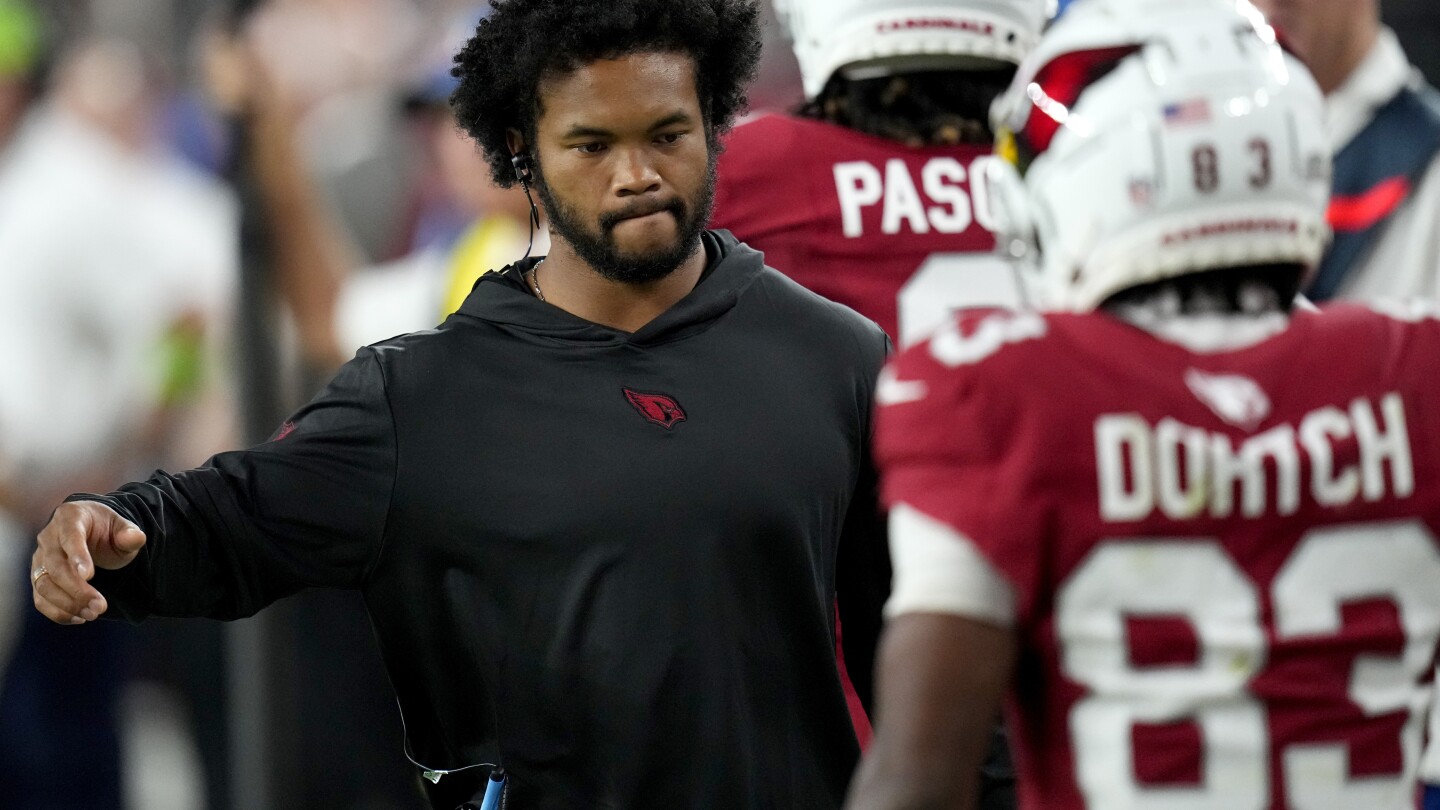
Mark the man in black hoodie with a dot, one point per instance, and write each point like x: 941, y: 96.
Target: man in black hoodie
x: 602, y: 516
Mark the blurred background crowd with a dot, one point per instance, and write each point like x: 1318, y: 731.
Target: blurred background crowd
x: 205, y: 207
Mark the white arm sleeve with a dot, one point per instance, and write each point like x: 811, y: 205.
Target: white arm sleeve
x: 939, y: 570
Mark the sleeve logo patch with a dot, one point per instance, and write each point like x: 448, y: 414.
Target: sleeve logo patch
x: 285, y: 430
x: 658, y: 409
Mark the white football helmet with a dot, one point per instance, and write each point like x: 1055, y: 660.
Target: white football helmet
x: 869, y: 38
x: 1158, y: 138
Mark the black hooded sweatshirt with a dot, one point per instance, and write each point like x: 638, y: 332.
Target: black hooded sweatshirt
x: 607, y: 562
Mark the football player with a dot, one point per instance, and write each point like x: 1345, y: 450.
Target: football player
x: 1188, y: 526
x: 868, y: 195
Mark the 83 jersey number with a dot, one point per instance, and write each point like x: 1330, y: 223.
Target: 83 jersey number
x: 1238, y: 640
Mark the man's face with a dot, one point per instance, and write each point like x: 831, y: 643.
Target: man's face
x: 1318, y: 29
x: 624, y: 166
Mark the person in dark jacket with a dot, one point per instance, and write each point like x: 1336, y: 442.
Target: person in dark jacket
x: 603, y: 515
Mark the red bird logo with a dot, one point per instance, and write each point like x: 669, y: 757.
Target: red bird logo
x: 657, y: 408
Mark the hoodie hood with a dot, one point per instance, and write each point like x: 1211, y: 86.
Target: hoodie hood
x: 504, y: 299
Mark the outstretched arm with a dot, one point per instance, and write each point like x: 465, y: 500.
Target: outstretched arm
x: 307, y: 508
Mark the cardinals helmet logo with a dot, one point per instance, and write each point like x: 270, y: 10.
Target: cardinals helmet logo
x: 657, y: 408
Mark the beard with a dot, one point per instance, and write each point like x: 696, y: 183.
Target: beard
x: 597, y: 246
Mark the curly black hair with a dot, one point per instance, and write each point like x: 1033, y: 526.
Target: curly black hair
x: 917, y: 109
x: 523, y: 41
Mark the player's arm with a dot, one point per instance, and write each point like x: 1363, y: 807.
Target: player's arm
x: 949, y: 647
x: 306, y: 509
x: 945, y: 661
x: 940, y: 683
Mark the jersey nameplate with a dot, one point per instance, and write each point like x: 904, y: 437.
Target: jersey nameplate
x: 950, y: 202
x: 1187, y: 472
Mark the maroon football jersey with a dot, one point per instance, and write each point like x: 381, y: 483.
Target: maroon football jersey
x: 1224, y: 566
x: 901, y: 235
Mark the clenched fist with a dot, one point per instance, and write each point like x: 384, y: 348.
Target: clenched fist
x: 79, y: 537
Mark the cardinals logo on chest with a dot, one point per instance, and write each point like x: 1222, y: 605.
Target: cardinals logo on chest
x: 657, y: 409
